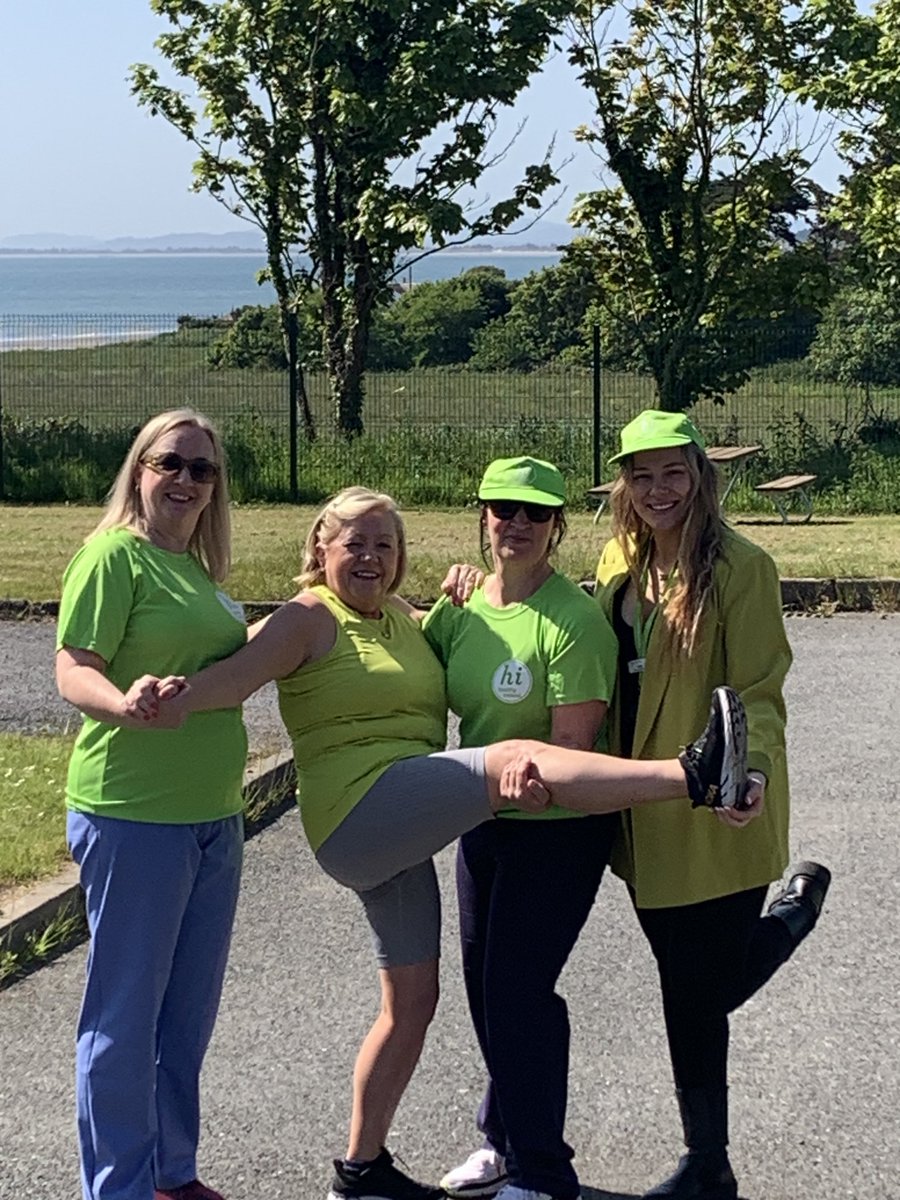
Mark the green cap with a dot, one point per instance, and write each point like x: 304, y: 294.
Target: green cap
x: 528, y: 479
x: 655, y: 430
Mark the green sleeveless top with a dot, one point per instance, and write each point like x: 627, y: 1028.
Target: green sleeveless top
x: 375, y: 698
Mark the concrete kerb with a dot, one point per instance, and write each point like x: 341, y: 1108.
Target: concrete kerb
x: 23, y: 912
x: 28, y: 910
x: 797, y: 595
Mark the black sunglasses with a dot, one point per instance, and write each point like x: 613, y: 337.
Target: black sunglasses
x: 201, y: 470
x: 538, y: 514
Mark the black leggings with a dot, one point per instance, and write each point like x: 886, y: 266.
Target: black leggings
x: 711, y: 957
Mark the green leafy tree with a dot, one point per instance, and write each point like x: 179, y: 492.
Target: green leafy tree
x: 254, y: 338
x: 705, y: 172
x: 315, y: 120
x: 439, y: 320
x: 851, y: 69
x: 858, y: 340
x: 546, y: 319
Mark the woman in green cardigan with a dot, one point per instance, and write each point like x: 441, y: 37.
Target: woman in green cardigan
x: 695, y: 605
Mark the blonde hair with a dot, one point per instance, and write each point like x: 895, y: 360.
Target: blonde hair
x: 346, y: 506
x: 700, y: 547
x: 211, y: 540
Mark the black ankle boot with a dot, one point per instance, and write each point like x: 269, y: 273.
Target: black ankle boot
x: 698, y: 1176
x: 704, y: 1173
x: 800, y: 903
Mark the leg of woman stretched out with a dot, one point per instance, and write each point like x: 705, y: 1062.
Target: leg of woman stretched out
x: 577, y: 779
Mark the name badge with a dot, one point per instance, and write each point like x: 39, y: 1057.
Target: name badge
x: 636, y: 666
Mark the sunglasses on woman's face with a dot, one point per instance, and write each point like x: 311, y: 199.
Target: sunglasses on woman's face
x: 538, y: 514
x: 201, y: 470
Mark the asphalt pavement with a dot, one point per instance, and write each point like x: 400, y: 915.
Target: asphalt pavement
x: 815, y: 1056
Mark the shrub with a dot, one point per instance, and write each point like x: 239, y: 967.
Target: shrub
x: 858, y: 340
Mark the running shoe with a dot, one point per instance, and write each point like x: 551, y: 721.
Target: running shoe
x: 715, y: 765
x: 482, y: 1174
x: 378, y: 1180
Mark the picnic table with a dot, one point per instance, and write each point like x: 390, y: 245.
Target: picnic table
x: 734, y: 457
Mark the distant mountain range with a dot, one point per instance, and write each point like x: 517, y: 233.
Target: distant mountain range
x: 542, y: 235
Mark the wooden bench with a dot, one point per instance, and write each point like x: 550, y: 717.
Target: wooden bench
x: 778, y: 491
x: 601, y: 494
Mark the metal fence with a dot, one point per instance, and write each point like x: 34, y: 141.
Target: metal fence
x: 73, y: 390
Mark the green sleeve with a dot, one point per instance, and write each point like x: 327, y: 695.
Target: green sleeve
x: 757, y: 654
x: 97, y: 597
x: 582, y: 661
x: 437, y: 625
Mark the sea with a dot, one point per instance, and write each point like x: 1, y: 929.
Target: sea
x: 67, y: 300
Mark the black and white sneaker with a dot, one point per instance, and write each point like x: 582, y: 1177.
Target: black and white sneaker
x: 715, y: 765
x: 378, y: 1180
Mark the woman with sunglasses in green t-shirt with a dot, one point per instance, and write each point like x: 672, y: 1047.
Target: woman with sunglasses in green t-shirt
x: 154, y: 819
x: 529, y: 655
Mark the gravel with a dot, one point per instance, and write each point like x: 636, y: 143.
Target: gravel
x: 816, y: 1054
x: 29, y: 702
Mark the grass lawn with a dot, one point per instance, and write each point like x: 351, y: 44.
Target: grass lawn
x: 32, y: 811
x: 32, y: 784
x: 36, y: 543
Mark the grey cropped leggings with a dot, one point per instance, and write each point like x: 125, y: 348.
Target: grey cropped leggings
x: 382, y: 849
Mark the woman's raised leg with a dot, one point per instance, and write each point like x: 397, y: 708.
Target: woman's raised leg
x: 711, y: 770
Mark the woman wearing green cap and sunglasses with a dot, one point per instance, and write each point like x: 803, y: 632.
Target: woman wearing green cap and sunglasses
x: 695, y: 605
x: 530, y: 655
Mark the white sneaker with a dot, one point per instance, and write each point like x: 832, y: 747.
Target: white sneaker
x: 482, y: 1174
x: 512, y: 1192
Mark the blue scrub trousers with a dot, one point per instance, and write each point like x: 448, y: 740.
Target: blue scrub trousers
x: 525, y: 890
x: 160, y: 904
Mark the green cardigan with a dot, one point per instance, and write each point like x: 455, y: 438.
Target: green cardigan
x: 668, y: 852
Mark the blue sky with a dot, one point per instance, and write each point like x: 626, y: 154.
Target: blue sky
x: 80, y: 157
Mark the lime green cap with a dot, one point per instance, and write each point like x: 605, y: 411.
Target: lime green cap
x: 656, y: 430
x: 524, y: 478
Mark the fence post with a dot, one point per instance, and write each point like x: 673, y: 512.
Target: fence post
x: 597, y: 439
x: 293, y: 396
x: 2, y: 465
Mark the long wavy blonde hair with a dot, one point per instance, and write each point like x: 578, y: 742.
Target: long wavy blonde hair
x: 701, y: 545
x: 211, y: 540
x: 346, y: 506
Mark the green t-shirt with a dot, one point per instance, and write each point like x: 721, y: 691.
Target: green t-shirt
x: 376, y: 697
x: 145, y: 610
x: 508, y: 668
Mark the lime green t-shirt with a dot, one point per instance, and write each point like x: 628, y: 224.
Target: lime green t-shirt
x: 375, y: 698
x: 145, y: 610
x: 508, y: 668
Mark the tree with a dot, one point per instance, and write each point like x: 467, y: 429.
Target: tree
x: 693, y: 124
x: 858, y: 340
x: 438, y: 321
x: 851, y: 69
x: 316, y: 121
x: 546, y: 318
x: 253, y: 338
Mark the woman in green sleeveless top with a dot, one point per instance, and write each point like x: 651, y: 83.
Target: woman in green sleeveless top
x: 362, y: 696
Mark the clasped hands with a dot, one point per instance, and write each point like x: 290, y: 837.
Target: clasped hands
x: 521, y: 785
x: 158, y: 703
